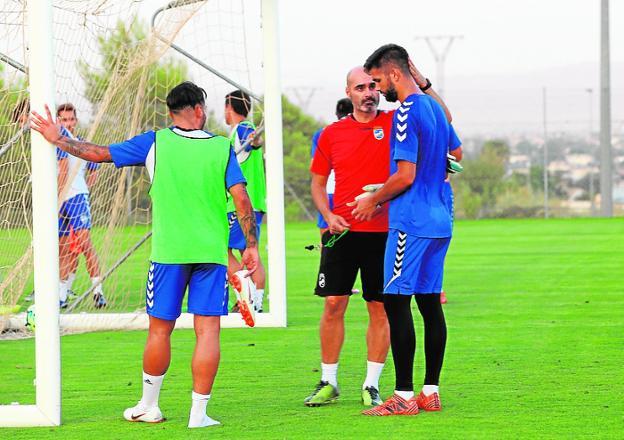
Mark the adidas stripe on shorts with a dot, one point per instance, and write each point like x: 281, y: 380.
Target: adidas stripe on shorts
x: 413, y: 264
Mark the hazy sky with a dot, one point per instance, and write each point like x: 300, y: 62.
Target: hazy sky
x: 510, y: 50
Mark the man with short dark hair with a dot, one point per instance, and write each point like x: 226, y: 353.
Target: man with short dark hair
x: 75, y: 213
x: 420, y: 226
x: 191, y: 172
x: 249, y: 155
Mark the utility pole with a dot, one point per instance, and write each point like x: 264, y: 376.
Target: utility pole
x: 545, y: 154
x: 440, y: 55
x: 606, y: 175
x: 590, y: 93
x: 304, y: 95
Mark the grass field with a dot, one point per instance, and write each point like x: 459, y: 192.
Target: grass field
x: 535, y: 350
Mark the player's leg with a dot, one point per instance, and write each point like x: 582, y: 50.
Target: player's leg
x: 81, y: 224
x: 429, y: 305
x: 402, y: 262
x: 165, y: 287
x: 93, y: 266
x: 208, y: 299
x: 72, y: 267
x: 371, y: 253
x: 337, y: 273
x: 64, y: 244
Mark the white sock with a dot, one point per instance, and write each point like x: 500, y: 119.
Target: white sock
x: 63, y: 290
x: 151, y: 390
x: 258, y: 299
x: 98, y: 289
x: 428, y: 390
x: 199, y: 402
x: 373, y: 372
x: 329, y: 373
x: 198, y: 417
x: 70, y: 280
x: 407, y: 395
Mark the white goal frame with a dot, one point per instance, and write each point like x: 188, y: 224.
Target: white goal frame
x: 47, y: 409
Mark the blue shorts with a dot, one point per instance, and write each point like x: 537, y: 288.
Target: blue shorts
x: 167, y: 283
x: 413, y: 264
x: 75, y: 213
x: 237, y: 239
x: 320, y: 222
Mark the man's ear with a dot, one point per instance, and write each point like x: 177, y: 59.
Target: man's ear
x: 395, y: 74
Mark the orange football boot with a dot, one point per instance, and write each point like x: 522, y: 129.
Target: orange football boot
x: 429, y: 403
x: 394, y: 406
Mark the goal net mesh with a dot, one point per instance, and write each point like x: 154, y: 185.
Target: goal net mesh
x: 115, y: 66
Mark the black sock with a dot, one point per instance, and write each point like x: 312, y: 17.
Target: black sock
x: 402, y: 339
x: 435, y: 335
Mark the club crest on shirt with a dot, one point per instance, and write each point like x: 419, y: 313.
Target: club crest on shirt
x: 378, y: 133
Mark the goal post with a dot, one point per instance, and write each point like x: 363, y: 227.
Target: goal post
x: 47, y: 410
x: 274, y: 160
x: 45, y: 86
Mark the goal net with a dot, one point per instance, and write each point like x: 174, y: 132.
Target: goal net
x: 115, y: 61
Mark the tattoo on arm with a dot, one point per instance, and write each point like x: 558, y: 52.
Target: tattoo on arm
x: 248, y: 225
x: 84, y: 150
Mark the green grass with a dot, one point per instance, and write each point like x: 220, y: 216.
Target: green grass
x: 535, y: 318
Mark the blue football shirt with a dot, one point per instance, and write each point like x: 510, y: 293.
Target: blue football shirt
x: 421, y: 135
x: 315, y: 139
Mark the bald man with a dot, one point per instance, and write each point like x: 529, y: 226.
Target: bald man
x: 356, y: 148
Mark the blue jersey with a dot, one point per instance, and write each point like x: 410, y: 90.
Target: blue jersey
x: 140, y: 151
x: 421, y: 135
x: 315, y: 139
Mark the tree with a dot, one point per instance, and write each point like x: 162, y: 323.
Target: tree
x: 298, y: 128
x: 131, y: 80
x: 482, y: 179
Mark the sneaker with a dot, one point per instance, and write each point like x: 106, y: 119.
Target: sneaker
x: 140, y: 414
x: 99, y: 301
x: 429, y: 403
x: 323, y: 394
x: 63, y: 304
x: 370, y: 397
x: 394, y: 406
x: 442, y: 297
x: 243, y: 287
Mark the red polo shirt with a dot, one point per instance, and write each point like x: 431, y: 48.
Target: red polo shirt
x: 359, y: 154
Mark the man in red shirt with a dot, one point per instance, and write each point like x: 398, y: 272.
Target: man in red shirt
x: 357, y: 149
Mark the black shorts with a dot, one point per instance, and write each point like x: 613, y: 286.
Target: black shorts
x: 363, y: 251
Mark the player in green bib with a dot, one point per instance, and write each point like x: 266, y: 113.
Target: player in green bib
x: 191, y: 172
x: 249, y: 155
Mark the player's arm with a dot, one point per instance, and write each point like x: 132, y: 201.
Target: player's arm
x: 82, y: 149
x: 457, y: 153
x: 318, y: 188
x: 247, y: 222
x: 63, y: 171
x: 91, y: 178
x: 421, y: 81
x: 366, y: 208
